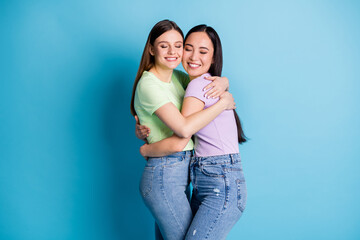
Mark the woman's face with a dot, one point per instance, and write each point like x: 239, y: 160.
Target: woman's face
x: 198, y: 54
x: 168, y: 50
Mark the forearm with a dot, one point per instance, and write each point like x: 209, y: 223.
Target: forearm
x: 198, y: 120
x: 186, y: 126
x: 164, y: 147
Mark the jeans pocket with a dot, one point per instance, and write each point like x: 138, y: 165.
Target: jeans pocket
x: 212, y: 170
x: 241, y: 194
x: 173, y: 161
x: 146, y: 181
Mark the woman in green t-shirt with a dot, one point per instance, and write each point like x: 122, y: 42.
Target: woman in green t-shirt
x: 157, y: 98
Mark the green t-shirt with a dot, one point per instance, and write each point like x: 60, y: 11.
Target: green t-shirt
x: 151, y: 94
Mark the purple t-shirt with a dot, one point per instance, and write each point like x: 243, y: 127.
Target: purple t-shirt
x: 219, y: 137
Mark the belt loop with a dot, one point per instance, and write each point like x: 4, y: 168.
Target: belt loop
x: 231, y: 159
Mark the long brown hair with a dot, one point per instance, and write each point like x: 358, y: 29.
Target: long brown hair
x: 216, y: 66
x: 147, y: 60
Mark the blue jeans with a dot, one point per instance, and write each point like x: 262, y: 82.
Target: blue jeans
x: 163, y: 187
x: 219, y: 195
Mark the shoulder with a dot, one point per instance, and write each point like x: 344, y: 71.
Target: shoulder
x: 181, y: 77
x: 199, y: 82
x: 147, y: 80
x: 147, y: 77
x: 180, y: 74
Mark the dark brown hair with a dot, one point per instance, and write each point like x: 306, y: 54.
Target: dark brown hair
x: 216, y: 67
x: 147, y: 60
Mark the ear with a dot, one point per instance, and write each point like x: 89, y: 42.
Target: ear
x: 151, y: 50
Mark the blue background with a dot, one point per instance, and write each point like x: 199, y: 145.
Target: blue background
x: 70, y: 165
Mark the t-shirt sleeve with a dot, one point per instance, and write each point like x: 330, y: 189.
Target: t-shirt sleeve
x: 151, y: 96
x: 195, y: 89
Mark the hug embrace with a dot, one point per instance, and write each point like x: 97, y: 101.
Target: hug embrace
x: 171, y: 107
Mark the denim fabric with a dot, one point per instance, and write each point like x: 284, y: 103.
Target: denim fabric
x: 163, y: 187
x: 219, y: 195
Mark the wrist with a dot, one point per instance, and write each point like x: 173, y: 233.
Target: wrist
x: 222, y: 104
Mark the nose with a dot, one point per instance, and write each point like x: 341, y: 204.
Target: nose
x: 193, y: 55
x: 171, y: 50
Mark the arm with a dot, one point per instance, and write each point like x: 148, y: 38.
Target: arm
x: 187, y: 126
x: 164, y: 147
x: 141, y: 131
x: 174, y: 143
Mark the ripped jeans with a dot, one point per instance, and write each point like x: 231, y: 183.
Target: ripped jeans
x: 164, y: 186
x: 219, y: 196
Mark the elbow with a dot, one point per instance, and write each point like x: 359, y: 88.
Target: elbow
x: 185, y: 133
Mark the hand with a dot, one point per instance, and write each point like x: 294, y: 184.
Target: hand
x: 143, y: 150
x: 141, y: 131
x: 228, y: 100
x: 217, y: 87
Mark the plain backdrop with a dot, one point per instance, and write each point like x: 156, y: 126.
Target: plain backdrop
x: 69, y: 160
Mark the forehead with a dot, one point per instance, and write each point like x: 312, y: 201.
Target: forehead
x: 199, y: 39
x: 170, y: 36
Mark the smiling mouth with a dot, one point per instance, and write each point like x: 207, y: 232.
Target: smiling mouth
x: 193, y: 65
x: 171, y: 59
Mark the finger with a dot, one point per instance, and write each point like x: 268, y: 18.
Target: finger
x: 142, y: 127
x: 209, y: 86
x: 214, y: 95
x: 147, y: 129
x: 145, y: 132
x: 209, y: 93
x: 211, y: 78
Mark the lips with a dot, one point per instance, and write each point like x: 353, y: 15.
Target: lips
x: 171, y: 59
x: 193, y: 65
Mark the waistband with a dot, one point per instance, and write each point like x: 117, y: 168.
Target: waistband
x: 219, y: 159
x: 187, y: 153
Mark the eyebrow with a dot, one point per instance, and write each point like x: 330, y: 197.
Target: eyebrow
x: 187, y: 44
x: 168, y: 42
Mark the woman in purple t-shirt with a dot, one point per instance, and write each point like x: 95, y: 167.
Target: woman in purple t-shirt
x: 219, y: 190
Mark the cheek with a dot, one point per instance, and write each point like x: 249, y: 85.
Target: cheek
x: 207, y: 61
x: 180, y: 52
x: 185, y: 57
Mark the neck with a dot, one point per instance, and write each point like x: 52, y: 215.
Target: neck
x: 193, y: 77
x: 162, y: 74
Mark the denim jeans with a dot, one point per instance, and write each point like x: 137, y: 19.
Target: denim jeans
x: 219, y: 195
x: 163, y: 187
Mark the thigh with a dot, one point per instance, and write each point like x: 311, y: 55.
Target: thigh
x: 209, y: 199
x: 221, y: 191
x: 166, y: 197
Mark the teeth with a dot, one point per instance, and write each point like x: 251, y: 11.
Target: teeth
x: 171, y: 59
x: 194, y: 65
